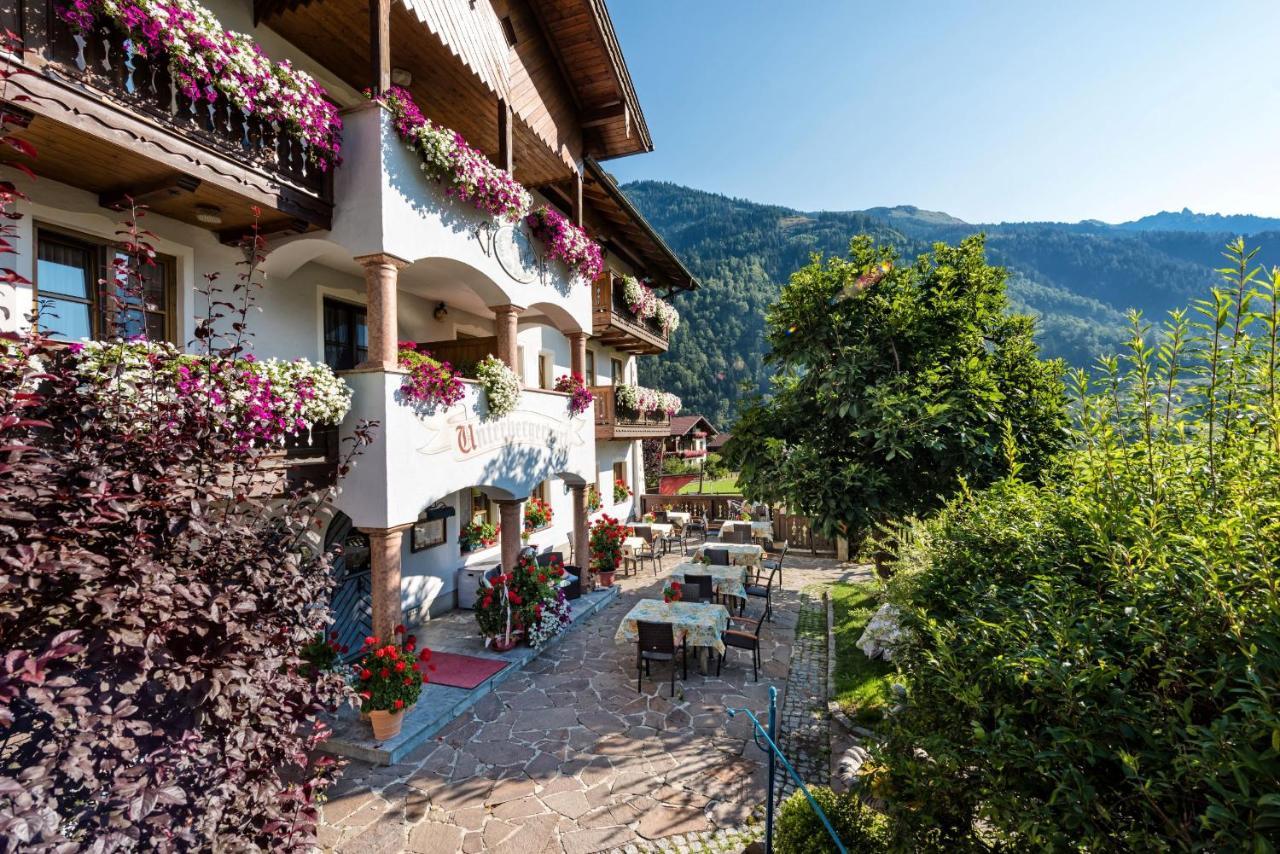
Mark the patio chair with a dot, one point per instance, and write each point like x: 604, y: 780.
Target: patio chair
x: 647, y: 551
x: 657, y: 642
x: 676, y: 537
x: 760, y: 586
x: 660, y: 516
x: 737, y: 534
x: 776, y: 556
x: 698, y: 588
x: 716, y: 557
x: 697, y: 525
x: 747, y: 637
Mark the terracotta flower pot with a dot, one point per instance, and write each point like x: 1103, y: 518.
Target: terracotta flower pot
x: 605, y: 578
x: 505, y: 644
x: 386, y: 724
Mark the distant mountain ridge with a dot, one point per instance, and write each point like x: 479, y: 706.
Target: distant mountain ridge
x: 1078, y: 278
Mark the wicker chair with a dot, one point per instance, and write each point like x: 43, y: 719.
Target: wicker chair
x: 677, y: 537
x: 716, y: 557
x: 774, y: 559
x: 747, y: 637
x: 647, y: 551
x: 760, y: 586
x: 698, y: 588
x: 657, y: 642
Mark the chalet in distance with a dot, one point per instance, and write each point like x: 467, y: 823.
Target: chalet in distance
x: 370, y: 251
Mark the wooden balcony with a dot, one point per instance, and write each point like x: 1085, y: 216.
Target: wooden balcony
x: 613, y: 323
x: 106, y: 119
x: 463, y: 353
x: 615, y: 423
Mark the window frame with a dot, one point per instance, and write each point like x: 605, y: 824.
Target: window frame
x: 355, y: 309
x: 100, y: 250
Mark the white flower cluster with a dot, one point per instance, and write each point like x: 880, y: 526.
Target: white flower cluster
x: 306, y: 392
x: 883, y: 634
x: 645, y: 304
x: 637, y: 398
x: 556, y: 616
x: 501, y: 386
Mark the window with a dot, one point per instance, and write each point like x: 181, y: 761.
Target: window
x: 346, y: 334
x: 542, y: 491
x: 620, y: 472
x: 544, y: 370
x: 591, y: 368
x: 482, y: 509
x: 616, y: 367
x: 74, y: 303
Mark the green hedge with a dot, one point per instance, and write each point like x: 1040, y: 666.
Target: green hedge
x: 799, y: 830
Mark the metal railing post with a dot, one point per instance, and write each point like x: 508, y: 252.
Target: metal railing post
x: 773, y: 763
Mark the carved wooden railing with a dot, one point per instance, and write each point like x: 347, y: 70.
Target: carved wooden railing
x: 107, y: 63
x: 612, y: 418
x: 609, y: 308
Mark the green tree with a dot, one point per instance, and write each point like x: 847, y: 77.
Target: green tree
x: 895, y: 382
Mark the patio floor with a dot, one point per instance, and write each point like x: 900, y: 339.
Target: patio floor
x: 567, y: 756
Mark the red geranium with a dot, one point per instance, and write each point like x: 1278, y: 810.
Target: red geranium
x: 386, y: 686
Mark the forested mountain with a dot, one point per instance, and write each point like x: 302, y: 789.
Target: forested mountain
x: 1079, y: 278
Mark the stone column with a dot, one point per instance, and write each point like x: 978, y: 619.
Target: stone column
x: 505, y: 324
x: 380, y: 274
x: 511, y: 517
x: 582, y: 537
x: 384, y: 563
x: 578, y: 353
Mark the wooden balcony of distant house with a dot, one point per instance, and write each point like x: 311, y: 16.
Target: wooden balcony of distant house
x: 614, y: 324
x: 613, y: 422
x: 106, y: 119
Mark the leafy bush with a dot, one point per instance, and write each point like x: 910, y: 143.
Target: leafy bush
x: 672, y: 464
x: 155, y: 598
x: 1096, y: 659
x: 715, y: 465
x: 799, y: 830
x: 895, y: 382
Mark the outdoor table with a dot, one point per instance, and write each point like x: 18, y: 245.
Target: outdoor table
x: 630, y: 544
x: 699, y: 624
x: 678, y: 516
x: 747, y: 554
x: 725, y: 580
x: 660, y: 529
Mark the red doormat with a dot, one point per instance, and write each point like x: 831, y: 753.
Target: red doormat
x: 462, y: 671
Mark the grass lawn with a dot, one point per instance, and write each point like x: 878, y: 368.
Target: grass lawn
x: 719, y: 486
x: 862, y: 684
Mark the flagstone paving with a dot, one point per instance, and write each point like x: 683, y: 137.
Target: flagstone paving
x: 567, y: 756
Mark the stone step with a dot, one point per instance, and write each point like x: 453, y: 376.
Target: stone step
x: 438, y: 705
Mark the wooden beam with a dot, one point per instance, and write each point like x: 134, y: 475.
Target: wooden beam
x: 165, y: 188
x: 506, y: 137
x: 235, y: 236
x: 605, y: 115
x: 575, y: 199
x: 380, y: 45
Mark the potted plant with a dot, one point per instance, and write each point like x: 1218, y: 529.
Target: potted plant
x: 593, y: 499
x: 478, y: 535
x: 537, y: 514
x: 391, y: 677
x: 495, y: 612
x: 621, y: 492
x: 672, y: 592
x: 607, y: 535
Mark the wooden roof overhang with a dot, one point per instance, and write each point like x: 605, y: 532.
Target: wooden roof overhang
x: 623, y: 229
x: 586, y: 48
x: 457, y: 60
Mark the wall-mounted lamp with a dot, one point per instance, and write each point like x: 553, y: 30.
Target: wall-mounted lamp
x: 209, y: 214
x: 441, y: 312
x: 402, y: 77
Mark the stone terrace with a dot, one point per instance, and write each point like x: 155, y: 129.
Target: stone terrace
x: 567, y: 756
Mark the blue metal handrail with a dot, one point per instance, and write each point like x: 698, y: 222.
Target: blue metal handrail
x: 775, y: 754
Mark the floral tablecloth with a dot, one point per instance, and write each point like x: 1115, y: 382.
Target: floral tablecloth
x: 759, y: 530
x: 747, y: 554
x: 695, y: 623
x: 630, y: 544
x: 725, y: 580
x: 678, y: 516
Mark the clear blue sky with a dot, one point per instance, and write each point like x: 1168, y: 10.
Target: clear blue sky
x: 991, y: 111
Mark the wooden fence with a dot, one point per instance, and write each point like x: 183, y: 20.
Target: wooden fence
x: 798, y: 531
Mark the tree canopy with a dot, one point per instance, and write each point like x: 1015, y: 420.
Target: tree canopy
x: 895, y: 381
